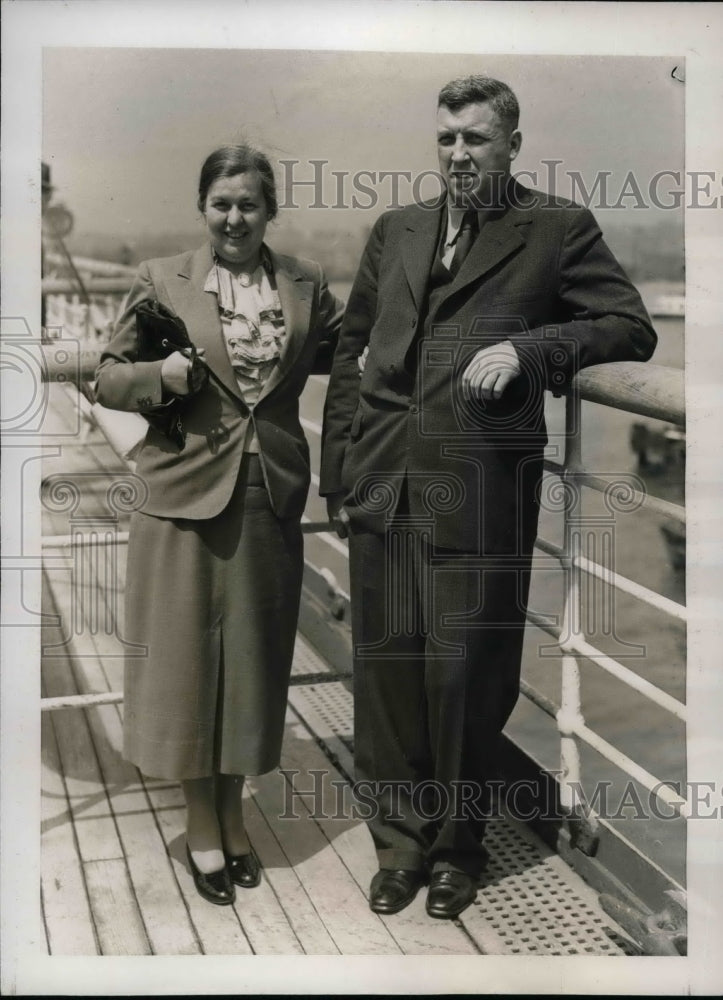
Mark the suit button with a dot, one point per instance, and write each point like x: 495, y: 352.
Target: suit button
x: 414, y: 408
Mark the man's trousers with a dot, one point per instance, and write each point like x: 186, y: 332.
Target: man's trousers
x: 437, y: 647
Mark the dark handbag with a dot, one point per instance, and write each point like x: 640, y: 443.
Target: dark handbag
x: 160, y: 333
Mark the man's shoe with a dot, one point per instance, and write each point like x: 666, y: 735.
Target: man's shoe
x: 450, y: 893
x: 392, y: 890
x: 216, y: 887
x: 244, y: 869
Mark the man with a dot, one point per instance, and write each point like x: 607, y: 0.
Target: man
x: 432, y: 461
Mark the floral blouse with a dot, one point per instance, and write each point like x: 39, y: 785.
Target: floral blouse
x: 253, y: 327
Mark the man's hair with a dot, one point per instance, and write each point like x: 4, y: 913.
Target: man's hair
x: 478, y: 90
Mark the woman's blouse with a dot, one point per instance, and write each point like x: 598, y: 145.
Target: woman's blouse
x: 253, y: 328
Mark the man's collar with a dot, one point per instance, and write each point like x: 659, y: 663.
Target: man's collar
x: 455, y: 213
x: 455, y: 217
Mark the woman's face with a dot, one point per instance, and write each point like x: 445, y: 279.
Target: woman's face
x: 236, y: 217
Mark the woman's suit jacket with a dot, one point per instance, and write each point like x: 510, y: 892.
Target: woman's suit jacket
x: 197, y: 481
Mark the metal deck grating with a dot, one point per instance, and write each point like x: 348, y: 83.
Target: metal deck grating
x: 106, y: 834
x: 528, y: 897
x: 333, y: 705
x: 536, y: 904
x: 327, y: 711
x: 306, y: 661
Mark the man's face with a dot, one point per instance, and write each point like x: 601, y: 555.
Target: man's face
x: 475, y: 149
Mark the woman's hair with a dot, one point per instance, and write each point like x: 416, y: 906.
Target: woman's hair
x: 227, y: 161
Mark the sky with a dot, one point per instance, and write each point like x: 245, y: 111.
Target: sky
x: 126, y: 130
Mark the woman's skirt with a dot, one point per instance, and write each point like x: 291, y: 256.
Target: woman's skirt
x: 215, y: 605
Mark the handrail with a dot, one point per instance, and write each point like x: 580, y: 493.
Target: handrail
x: 102, y: 285
x: 641, y: 388
x: 92, y: 266
x: 646, y: 390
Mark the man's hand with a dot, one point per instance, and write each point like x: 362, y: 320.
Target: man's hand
x: 362, y: 360
x: 491, y: 370
x: 337, y: 515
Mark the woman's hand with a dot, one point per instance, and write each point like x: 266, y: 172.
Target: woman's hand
x: 175, y: 373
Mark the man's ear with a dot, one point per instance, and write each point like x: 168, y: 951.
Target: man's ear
x: 515, y: 143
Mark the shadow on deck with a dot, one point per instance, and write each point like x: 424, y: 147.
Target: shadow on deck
x: 115, y: 879
x: 114, y: 876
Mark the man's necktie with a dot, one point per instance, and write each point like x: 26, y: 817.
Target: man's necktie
x: 465, y: 238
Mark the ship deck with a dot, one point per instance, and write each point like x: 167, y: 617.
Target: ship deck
x: 114, y: 876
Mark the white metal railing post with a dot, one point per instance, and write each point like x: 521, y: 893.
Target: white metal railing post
x: 569, y: 717
x: 643, y: 389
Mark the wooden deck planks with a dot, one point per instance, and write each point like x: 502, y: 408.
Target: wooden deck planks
x: 66, y: 909
x: 160, y: 900
x: 265, y: 921
x: 135, y: 836
x: 116, y: 917
x: 92, y: 818
x: 413, y: 930
x: 154, y: 876
x: 157, y: 891
x: 313, y: 896
x: 335, y: 895
x: 305, y: 922
x: 115, y: 910
x: 217, y: 928
x: 114, y: 875
x: 312, y: 899
x: 154, y: 882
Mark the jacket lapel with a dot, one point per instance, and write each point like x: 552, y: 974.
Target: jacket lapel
x: 199, y: 310
x: 418, y: 249
x: 296, y: 294
x: 500, y: 236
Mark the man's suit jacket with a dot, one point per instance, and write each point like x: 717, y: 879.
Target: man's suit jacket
x: 197, y: 481
x: 538, y: 275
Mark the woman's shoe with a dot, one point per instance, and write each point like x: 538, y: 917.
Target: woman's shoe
x: 244, y: 869
x: 216, y: 887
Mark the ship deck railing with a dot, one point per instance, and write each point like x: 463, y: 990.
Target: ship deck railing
x: 646, y: 390
x: 643, y: 389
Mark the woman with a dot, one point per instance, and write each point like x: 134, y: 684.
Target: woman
x: 215, y: 554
